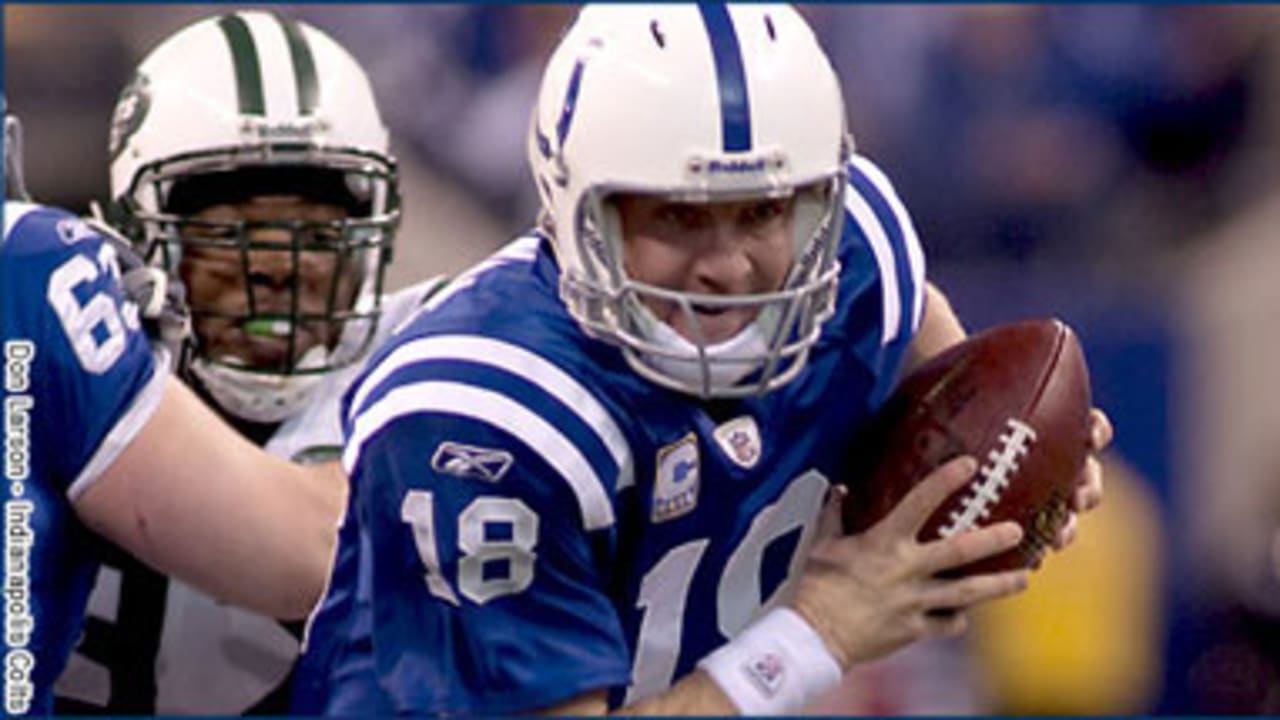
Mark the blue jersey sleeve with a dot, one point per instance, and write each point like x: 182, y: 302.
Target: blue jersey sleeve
x: 487, y: 531
x: 883, y: 287
x: 93, y: 379
x: 79, y: 382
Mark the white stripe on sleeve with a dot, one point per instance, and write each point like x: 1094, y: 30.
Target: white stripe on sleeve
x: 522, y: 249
x: 915, y: 253
x: 15, y: 211
x: 126, y: 428
x: 500, y: 412
x: 522, y: 363
x: 874, y: 232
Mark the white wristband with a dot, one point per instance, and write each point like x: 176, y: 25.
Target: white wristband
x: 776, y: 666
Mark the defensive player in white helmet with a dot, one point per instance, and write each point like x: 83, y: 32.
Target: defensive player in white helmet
x: 600, y: 475
x: 103, y: 443
x: 249, y: 162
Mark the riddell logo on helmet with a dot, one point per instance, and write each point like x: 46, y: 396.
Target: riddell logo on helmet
x: 736, y: 167
x: 288, y: 130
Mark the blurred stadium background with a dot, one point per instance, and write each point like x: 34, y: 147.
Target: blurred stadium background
x: 1116, y: 165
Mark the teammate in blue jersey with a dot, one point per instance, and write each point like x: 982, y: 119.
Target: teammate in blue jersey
x: 600, y: 473
x: 250, y: 164
x: 102, y: 444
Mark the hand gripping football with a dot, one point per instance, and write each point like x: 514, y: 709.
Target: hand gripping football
x: 1016, y: 398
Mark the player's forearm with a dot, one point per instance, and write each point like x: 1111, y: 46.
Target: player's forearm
x: 299, y: 522
x: 192, y: 498
x: 776, y: 665
x: 939, y: 329
x: 695, y: 694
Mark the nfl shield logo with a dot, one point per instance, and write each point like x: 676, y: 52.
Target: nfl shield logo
x: 675, y: 490
x: 740, y: 440
x: 767, y: 672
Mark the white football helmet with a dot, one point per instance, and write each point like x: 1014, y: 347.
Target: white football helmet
x: 696, y: 103
x: 244, y: 104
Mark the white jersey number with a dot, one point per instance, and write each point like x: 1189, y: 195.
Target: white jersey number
x: 81, y: 321
x: 664, y: 591
x: 514, y: 547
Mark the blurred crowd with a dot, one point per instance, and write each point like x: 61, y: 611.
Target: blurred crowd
x: 1099, y: 151
x: 1028, y: 133
x: 1098, y: 135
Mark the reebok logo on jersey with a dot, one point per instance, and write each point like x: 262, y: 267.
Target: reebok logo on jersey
x: 740, y: 440
x: 675, y: 490
x: 469, y: 461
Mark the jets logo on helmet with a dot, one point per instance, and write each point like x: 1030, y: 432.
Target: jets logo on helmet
x: 694, y: 103
x: 130, y: 110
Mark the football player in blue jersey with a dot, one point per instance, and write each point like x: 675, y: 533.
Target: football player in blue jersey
x: 602, y: 472
x: 103, y: 444
x: 250, y: 163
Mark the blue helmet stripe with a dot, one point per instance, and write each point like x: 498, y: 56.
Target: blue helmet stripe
x: 735, y: 106
x: 570, y: 104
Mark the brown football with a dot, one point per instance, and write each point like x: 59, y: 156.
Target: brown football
x: 1016, y: 398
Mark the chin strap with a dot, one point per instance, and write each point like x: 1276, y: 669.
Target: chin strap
x: 717, y: 367
x: 161, y: 301
x: 257, y: 397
